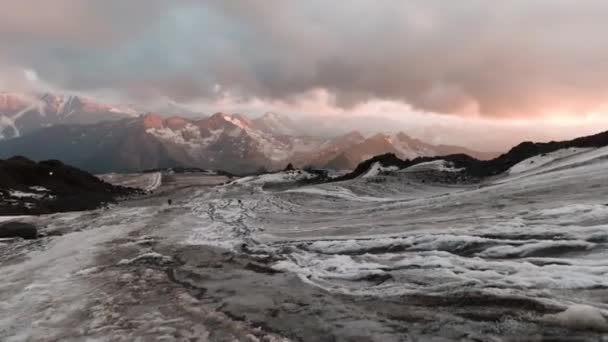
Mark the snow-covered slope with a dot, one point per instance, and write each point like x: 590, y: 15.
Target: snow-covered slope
x: 274, y: 178
x: 563, y: 159
x: 558, y: 158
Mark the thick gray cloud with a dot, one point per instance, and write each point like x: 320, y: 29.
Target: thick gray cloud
x: 493, y: 58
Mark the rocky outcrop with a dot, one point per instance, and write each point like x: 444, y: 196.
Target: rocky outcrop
x: 18, y: 229
x: 30, y: 188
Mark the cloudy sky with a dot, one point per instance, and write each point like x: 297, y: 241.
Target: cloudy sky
x: 486, y: 63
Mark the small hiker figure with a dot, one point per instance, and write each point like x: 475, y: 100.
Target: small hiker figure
x: 169, y: 201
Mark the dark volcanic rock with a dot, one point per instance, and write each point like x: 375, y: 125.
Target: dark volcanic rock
x: 64, y: 188
x: 18, y: 229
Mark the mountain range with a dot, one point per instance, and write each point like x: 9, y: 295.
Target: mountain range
x: 22, y: 113
x: 469, y: 167
x: 104, y: 138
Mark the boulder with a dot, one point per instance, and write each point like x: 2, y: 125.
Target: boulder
x: 18, y: 229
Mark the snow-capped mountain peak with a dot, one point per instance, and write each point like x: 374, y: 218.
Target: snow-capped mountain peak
x: 22, y: 113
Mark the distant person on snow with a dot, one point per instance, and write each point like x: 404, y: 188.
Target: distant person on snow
x: 169, y: 201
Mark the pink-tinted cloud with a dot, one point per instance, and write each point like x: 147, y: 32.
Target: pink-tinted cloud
x: 518, y: 58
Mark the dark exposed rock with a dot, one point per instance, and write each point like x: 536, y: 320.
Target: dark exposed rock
x: 18, y: 229
x: 65, y: 188
x: 378, y: 278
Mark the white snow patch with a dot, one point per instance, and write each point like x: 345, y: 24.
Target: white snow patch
x: 21, y: 194
x: 235, y: 122
x: 144, y: 181
x: 154, y: 181
x: 274, y: 178
x: 580, y: 317
x: 39, y: 189
x: 13, y: 218
x: 377, y: 169
x: 124, y: 110
x: 435, y: 165
x: 336, y: 192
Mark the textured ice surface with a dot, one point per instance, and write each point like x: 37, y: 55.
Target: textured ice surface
x: 531, y: 236
x: 520, y: 255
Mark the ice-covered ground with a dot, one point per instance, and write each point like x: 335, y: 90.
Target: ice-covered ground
x: 523, y: 256
x: 538, y: 234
